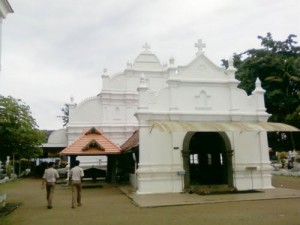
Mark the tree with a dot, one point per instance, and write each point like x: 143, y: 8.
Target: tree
x: 277, y: 65
x: 19, y: 134
x: 65, y: 116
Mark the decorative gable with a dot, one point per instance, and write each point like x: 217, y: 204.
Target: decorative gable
x: 93, y: 144
x: 201, y: 91
x: 202, y: 69
x: 93, y: 130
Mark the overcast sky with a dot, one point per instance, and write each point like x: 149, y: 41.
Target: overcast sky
x: 54, y: 49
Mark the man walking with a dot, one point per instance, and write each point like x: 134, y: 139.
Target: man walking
x: 76, y: 175
x: 49, y: 177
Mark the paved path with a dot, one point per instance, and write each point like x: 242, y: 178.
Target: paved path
x: 172, y: 199
x: 109, y: 206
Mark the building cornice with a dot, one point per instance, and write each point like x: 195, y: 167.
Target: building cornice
x: 5, y: 8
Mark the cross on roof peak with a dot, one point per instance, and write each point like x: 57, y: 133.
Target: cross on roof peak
x: 200, y: 45
x: 146, y: 46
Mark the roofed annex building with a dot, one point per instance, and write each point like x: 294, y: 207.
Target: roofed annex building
x: 180, y: 127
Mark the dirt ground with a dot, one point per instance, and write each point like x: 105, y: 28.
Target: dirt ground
x: 109, y: 206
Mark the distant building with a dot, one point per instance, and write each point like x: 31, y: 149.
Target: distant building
x: 196, y: 129
x: 5, y: 8
x: 57, y: 141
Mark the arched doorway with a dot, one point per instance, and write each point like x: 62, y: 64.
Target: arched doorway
x: 207, y: 159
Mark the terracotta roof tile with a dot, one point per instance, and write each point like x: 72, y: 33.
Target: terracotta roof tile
x: 132, y: 142
x: 92, y: 142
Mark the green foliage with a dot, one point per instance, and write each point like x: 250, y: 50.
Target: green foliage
x: 65, y: 117
x: 282, y: 156
x: 277, y: 64
x: 294, y: 118
x: 18, y: 130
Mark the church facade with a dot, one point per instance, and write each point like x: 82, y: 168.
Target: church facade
x: 113, y: 109
x: 197, y: 129
x: 193, y: 132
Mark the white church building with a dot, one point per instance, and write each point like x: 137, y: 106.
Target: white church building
x: 197, y: 129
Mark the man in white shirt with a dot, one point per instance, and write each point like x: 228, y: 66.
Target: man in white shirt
x: 76, y: 175
x: 50, y: 176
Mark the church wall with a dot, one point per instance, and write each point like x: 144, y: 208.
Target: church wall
x: 119, y: 108
x: 159, y: 162
x: 156, y: 147
x: 251, y: 161
x: 130, y: 79
x: 113, y: 112
x: 157, y: 81
x: 89, y: 111
x: 121, y: 82
x: 201, y: 98
x: 216, y: 99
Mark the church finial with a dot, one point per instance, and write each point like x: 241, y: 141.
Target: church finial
x: 129, y: 65
x: 105, y: 74
x: 200, y: 45
x: 230, y: 70
x: 258, y: 83
x: 258, y: 88
x: 104, y: 71
x: 72, y: 99
x: 146, y: 46
x: 172, y: 61
x: 258, y: 94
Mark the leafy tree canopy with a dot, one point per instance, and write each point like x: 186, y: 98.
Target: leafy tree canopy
x: 277, y: 65
x: 19, y: 134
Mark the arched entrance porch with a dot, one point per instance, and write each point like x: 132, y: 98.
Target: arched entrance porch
x: 207, y: 160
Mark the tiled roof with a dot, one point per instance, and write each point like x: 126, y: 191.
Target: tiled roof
x: 132, y: 142
x: 93, y: 142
